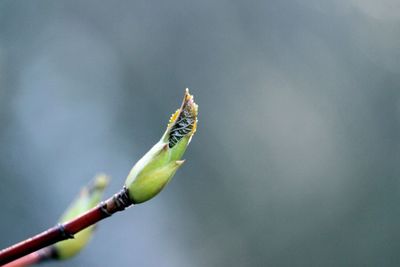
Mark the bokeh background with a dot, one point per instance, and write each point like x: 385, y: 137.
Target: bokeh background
x: 296, y: 161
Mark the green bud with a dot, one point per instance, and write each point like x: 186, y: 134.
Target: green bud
x: 89, y: 197
x: 156, y: 168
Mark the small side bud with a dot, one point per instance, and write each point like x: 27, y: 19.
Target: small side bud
x: 89, y: 197
x: 156, y: 168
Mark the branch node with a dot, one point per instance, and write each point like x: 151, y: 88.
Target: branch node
x: 64, y: 234
x: 122, y: 199
x: 103, y: 209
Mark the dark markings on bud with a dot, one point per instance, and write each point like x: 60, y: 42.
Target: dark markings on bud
x: 122, y: 199
x: 183, y: 126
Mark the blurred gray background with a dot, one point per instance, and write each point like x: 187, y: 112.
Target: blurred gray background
x: 296, y: 158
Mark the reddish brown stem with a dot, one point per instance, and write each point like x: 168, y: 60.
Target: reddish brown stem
x: 33, y: 258
x: 66, y: 230
x: 25, y: 260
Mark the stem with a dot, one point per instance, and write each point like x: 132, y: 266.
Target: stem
x: 67, y: 230
x: 33, y: 258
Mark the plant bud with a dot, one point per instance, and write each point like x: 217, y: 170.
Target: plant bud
x: 89, y: 197
x: 156, y: 168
